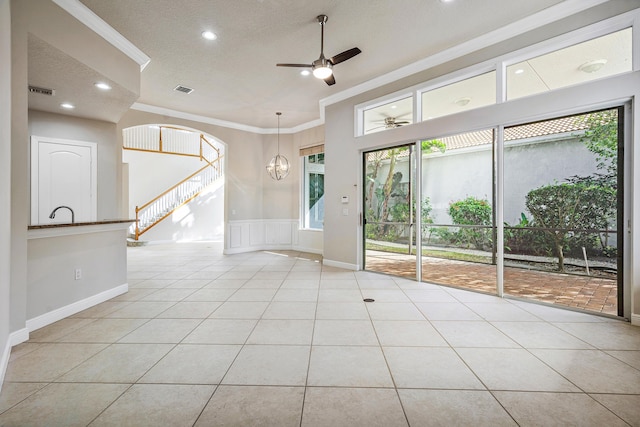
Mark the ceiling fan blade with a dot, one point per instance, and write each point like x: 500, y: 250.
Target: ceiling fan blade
x: 331, y: 80
x: 347, y: 54
x: 294, y: 65
x: 372, y: 129
x: 403, y: 123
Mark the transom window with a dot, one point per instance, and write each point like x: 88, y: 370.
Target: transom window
x: 543, y: 69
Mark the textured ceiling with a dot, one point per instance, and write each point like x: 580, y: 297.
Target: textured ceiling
x: 72, y: 82
x: 235, y: 78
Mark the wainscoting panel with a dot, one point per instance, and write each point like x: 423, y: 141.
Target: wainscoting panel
x: 235, y: 236
x: 268, y: 234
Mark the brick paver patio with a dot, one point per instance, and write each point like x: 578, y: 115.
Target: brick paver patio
x: 584, y: 292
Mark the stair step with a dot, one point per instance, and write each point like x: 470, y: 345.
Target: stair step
x: 134, y: 243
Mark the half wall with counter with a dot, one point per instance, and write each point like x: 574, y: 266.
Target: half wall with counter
x: 72, y: 267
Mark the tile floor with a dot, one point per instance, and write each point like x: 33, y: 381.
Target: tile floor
x: 278, y: 339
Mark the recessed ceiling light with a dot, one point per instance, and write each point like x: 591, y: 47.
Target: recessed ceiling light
x: 519, y: 71
x: 462, y: 101
x: 393, y: 107
x: 67, y: 106
x: 305, y: 72
x: 209, y: 35
x: 592, y: 66
x: 102, y: 86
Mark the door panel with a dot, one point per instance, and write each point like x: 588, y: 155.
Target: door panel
x: 390, y: 211
x: 62, y: 175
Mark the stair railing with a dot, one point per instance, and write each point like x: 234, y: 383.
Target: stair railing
x: 163, y: 205
x: 179, y: 142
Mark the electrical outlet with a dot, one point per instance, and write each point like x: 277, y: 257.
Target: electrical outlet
x: 78, y: 274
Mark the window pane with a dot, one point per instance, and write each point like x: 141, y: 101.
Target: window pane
x: 467, y: 94
x: 457, y: 211
x: 593, y: 59
x: 313, y: 197
x: 389, y: 116
x: 560, y: 211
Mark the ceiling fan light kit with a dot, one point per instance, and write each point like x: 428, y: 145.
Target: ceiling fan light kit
x: 322, y: 67
x: 278, y: 168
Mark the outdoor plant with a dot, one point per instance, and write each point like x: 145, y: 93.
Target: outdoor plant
x: 470, y: 211
x: 601, y: 138
x: 522, y: 238
x: 569, y: 212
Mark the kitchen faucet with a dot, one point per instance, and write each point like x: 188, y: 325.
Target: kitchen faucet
x: 53, y: 213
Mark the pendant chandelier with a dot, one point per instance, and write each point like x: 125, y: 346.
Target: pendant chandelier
x: 278, y: 167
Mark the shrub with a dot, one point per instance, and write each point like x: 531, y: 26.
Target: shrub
x: 470, y: 211
x: 570, y: 213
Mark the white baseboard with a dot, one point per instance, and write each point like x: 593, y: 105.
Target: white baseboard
x: 339, y: 264
x: 4, y: 361
x: 13, y: 339
x: 76, y: 307
x: 308, y: 250
x: 18, y: 337
x: 635, y: 319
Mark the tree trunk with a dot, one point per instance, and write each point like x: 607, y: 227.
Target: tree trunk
x: 387, y: 186
x: 560, y: 252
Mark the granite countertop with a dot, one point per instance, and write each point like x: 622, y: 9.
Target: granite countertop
x: 80, y: 224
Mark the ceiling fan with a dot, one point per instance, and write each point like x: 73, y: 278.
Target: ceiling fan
x: 390, y: 123
x: 322, y: 67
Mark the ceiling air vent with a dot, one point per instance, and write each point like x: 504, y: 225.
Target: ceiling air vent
x: 42, y: 90
x: 184, y: 89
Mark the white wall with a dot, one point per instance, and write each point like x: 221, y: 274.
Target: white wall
x: 200, y: 219
x: 245, y: 170
x: 5, y: 184
x: 150, y: 174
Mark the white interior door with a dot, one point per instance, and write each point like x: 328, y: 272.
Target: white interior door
x: 63, y: 173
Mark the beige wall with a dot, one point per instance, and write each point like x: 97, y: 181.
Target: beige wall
x: 342, y: 237
x: 249, y: 192
x: 50, y: 23
x: 5, y: 183
x: 19, y: 162
x: 104, y: 134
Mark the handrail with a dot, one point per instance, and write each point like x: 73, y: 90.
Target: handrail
x: 141, y: 226
x: 161, y: 145
x: 156, y: 222
x: 167, y: 202
x: 171, y: 188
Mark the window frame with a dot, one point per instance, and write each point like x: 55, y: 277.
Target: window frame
x: 304, y: 191
x: 630, y: 19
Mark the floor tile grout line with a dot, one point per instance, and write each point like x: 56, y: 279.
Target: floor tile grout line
x: 386, y: 362
x: 110, y: 404
x: 313, y: 333
x: 257, y: 321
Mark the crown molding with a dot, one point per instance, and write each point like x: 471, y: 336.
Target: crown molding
x: 83, y: 14
x: 544, y: 17
x: 223, y: 123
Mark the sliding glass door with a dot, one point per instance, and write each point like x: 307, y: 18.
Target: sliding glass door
x: 563, y: 202
x: 458, y: 224
x: 389, y: 211
x: 561, y: 206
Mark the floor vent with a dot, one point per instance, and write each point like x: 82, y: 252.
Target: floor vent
x: 41, y: 90
x: 184, y: 89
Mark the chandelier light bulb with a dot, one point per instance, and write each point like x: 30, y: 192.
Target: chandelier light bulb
x: 278, y: 167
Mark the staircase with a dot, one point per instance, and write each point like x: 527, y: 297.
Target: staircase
x: 176, y: 141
